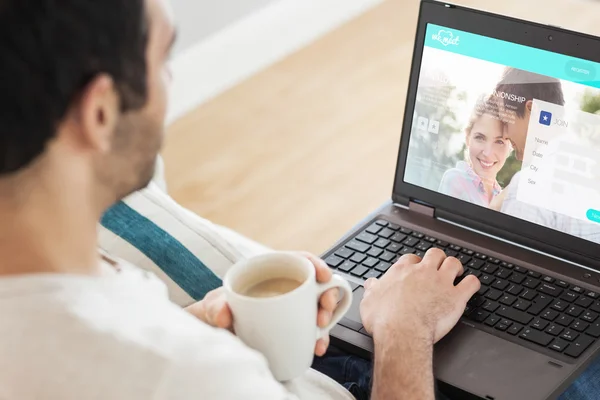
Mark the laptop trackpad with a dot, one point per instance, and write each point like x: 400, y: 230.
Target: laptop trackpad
x: 493, y: 368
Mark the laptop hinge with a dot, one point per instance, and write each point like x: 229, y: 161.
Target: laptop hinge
x: 421, y: 209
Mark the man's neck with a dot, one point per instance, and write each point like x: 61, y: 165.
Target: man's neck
x: 47, y: 229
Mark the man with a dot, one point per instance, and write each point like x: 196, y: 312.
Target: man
x: 82, y: 108
x: 530, y: 86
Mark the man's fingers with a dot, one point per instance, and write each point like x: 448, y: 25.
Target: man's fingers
x: 322, y: 270
x: 433, y: 258
x: 224, y: 318
x: 468, y: 287
x: 323, y: 317
x: 329, y: 299
x: 452, y: 267
x: 369, y: 283
x: 408, y: 259
x: 321, y: 346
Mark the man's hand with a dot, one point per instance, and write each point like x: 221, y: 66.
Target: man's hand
x: 413, y: 306
x: 214, y: 311
x: 419, y: 296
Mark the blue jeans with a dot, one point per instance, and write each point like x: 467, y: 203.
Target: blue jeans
x: 355, y: 373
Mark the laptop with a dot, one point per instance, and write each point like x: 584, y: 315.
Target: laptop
x: 535, y: 324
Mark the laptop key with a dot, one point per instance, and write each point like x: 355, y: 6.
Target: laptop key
x: 411, y: 242
x: 539, y: 304
x: 374, y: 229
x: 534, y: 274
x: 481, y: 256
x: 420, y: 253
x: 577, y: 289
x: 564, y: 320
x: 468, y: 252
x: 550, y: 315
x: 370, y: 262
x: 358, y: 246
x: 589, y: 316
x: 486, y: 279
x: 584, y: 302
x: 398, y: 237
x: 347, y: 266
x: 594, y: 330
x: 580, y: 326
x: 558, y: 345
x: 569, y: 335
x: 501, y: 327
x: 522, y: 305
x: 560, y: 305
x: 554, y: 329
x: 418, y: 235
x: 423, y: 245
x: 490, y: 306
x: 382, y: 243
x: 550, y: 289
x: 503, y: 273
x: 569, y: 296
x: 387, y: 256
x: 450, y: 253
x: 500, y: 284
x: 383, y: 266
x: 374, y: 252
x: 495, y: 261
x: 575, y: 311
x: 508, y: 299
x: 366, y: 237
x: 407, y: 250
x: 382, y: 222
x: 334, y: 261
x: 531, y: 283
x: 359, y: 270
x: 515, y: 290
x: 539, y: 324
x: 441, y: 243
x: 521, y: 270
x: 493, y: 294
x: 482, y: 290
x: 344, y: 253
x: 489, y: 268
x: 517, y: 278
x: 406, y: 231
x: 386, y: 233
x: 514, y: 315
x: 504, y: 264
x: 515, y: 329
x: 529, y: 294
x: 548, y: 279
x: 537, y: 337
x: 358, y: 258
x: 562, y: 284
x: 372, y: 274
x: 463, y: 258
x: 475, y: 264
x: 394, y: 247
x: 477, y: 300
x: 579, y: 346
x: 393, y: 227
x: 595, y: 307
x: 492, y: 320
x: 592, y: 295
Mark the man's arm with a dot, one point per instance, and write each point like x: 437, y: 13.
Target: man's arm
x: 421, y: 306
x: 403, y: 366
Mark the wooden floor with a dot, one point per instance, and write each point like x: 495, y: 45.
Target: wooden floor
x: 297, y: 154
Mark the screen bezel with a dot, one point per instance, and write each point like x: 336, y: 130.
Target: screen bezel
x: 512, y: 30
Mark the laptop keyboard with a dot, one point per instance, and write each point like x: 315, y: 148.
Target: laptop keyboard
x: 513, y: 300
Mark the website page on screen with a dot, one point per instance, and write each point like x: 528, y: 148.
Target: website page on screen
x: 509, y: 127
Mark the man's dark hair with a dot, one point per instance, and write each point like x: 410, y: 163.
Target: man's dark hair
x: 49, y: 51
x: 530, y: 86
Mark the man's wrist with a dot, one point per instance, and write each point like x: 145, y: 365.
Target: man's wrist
x: 415, y: 332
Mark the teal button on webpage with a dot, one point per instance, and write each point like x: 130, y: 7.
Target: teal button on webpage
x: 593, y: 215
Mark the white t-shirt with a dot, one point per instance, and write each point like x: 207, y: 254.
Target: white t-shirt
x: 118, y: 337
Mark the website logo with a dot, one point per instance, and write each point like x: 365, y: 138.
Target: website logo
x: 545, y: 118
x: 446, y: 38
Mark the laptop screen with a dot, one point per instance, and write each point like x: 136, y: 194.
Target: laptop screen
x: 508, y: 127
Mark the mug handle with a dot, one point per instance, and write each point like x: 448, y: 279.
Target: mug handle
x: 342, y: 307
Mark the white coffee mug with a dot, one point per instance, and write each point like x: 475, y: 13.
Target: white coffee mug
x: 283, y: 328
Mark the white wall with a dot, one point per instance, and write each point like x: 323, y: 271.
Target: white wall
x: 198, y: 19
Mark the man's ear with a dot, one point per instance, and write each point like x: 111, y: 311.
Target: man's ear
x: 529, y: 105
x: 98, y: 113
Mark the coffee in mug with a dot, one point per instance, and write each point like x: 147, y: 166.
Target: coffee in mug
x: 271, y: 287
x: 274, y: 301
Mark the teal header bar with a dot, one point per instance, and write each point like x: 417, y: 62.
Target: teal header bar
x: 514, y: 55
